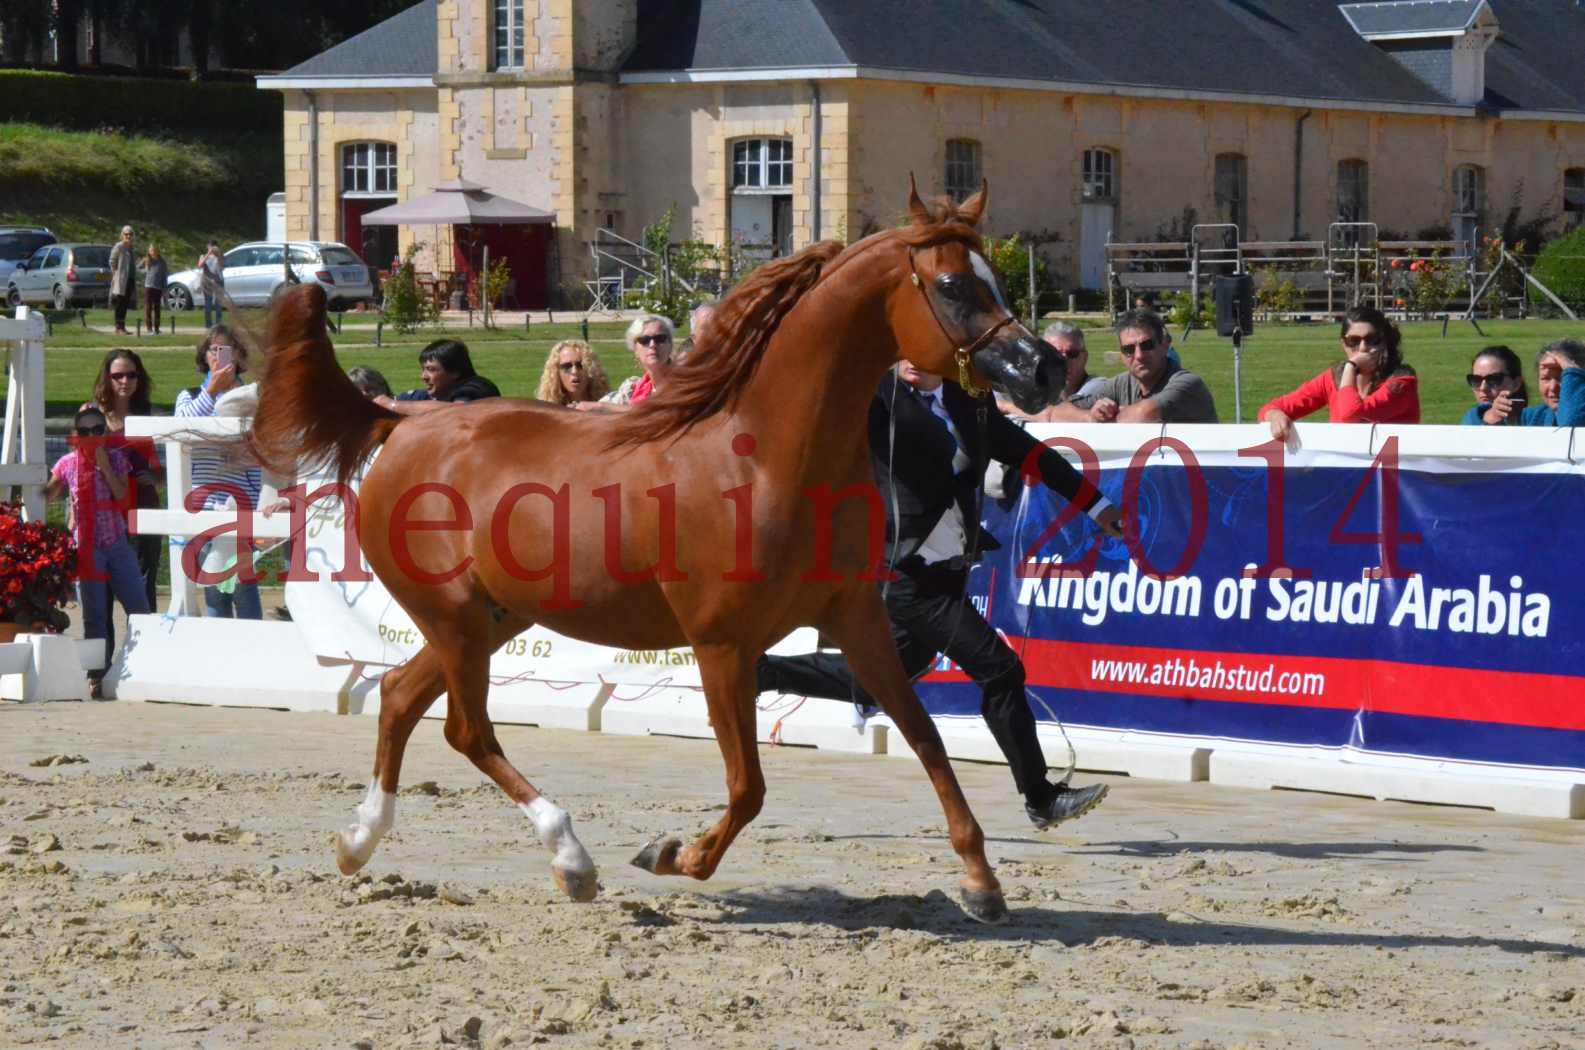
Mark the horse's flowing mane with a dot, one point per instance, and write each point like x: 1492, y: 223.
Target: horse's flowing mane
x: 713, y: 376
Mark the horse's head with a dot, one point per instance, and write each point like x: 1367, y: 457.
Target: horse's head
x: 959, y: 311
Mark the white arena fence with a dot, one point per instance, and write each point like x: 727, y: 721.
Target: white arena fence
x: 1364, y: 736
x: 33, y: 666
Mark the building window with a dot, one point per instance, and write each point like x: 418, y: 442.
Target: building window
x: 508, y: 27
x: 1232, y: 189
x: 762, y: 164
x: 1100, y: 175
x: 1574, y: 198
x: 368, y: 167
x: 1469, y: 190
x: 963, y: 168
x: 1353, y: 191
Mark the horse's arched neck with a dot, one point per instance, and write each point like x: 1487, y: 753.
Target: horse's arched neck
x: 814, y: 384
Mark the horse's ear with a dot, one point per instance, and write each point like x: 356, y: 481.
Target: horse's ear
x: 971, y: 210
x: 916, y: 207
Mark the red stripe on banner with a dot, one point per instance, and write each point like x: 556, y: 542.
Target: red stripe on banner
x: 1543, y: 701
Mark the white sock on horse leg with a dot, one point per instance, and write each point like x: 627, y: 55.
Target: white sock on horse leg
x: 555, y: 831
x: 376, y: 814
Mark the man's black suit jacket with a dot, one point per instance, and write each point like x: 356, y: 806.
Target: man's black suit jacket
x: 920, y: 473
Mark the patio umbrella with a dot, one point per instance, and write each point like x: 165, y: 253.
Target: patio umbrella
x: 459, y: 203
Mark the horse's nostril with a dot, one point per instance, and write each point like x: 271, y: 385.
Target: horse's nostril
x: 1042, y: 375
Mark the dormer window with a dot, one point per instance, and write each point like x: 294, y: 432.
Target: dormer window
x: 1442, y: 42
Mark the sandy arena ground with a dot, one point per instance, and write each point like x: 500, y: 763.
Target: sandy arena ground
x: 175, y: 888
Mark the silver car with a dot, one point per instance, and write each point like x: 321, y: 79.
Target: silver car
x: 17, y: 245
x: 255, y: 271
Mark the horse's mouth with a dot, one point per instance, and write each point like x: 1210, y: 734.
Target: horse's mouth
x: 1022, y: 369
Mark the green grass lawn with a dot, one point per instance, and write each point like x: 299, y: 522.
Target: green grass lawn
x: 1275, y: 360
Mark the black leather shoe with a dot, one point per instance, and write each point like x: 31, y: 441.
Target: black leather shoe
x: 1067, y: 804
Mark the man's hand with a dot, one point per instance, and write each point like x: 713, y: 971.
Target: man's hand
x: 1110, y: 521
x: 1103, y: 411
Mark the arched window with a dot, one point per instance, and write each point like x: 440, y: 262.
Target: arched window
x: 1574, y: 198
x: 963, y: 168
x: 1353, y: 191
x: 762, y: 164
x: 368, y: 168
x: 1100, y: 175
x: 1232, y: 189
x: 506, y: 26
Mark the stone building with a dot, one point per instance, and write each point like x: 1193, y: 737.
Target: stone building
x: 779, y: 122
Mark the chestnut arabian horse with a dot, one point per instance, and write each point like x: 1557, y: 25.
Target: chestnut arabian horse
x: 486, y: 518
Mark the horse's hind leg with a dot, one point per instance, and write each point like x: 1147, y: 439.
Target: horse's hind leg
x: 469, y: 730
x: 859, y: 626
x: 728, y: 676
x: 405, y: 694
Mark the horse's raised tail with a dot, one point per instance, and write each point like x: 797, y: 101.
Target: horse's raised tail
x: 309, y: 412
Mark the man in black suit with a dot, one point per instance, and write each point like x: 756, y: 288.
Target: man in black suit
x: 929, y: 451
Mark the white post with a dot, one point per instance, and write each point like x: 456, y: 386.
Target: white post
x: 22, y: 443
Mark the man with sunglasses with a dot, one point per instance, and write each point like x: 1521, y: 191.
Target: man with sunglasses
x: 1067, y: 339
x: 1155, y: 389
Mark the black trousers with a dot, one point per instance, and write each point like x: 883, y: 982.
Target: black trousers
x: 119, y: 304
x: 930, y: 615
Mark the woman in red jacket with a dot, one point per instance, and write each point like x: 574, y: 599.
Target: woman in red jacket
x: 1372, y: 385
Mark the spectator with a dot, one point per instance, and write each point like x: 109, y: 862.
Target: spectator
x: 222, y: 362
x: 1067, y: 340
x: 1152, y: 390
x: 572, y: 374
x: 1501, y: 398
x: 121, y: 263
x: 123, y: 389
x: 370, y: 382
x: 650, y: 340
x: 212, y: 279
x: 155, y: 272
x: 94, y: 475
x: 1560, y: 372
x: 449, y: 378
x: 1371, y: 385
x: 697, y: 322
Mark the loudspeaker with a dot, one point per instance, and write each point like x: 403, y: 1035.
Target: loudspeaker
x: 1235, y: 303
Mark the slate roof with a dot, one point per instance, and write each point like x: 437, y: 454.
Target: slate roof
x: 1300, y: 49
x: 1303, y: 49
x: 403, y: 45
x: 1412, y: 16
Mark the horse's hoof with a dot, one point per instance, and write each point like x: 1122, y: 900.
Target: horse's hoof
x: 579, y: 885
x: 660, y: 851
x: 987, y: 906
x: 347, y: 862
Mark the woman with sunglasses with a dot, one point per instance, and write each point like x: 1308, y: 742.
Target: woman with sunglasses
x: 96, y: 477
x: 649, y: 338
x: 1371, y: 385
x: 1496, y: 377
x: 123, y: 389
x: 573, y: 374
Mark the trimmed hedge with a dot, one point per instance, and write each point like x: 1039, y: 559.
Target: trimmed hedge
x: 1561, y: 267
x: 137, y: 103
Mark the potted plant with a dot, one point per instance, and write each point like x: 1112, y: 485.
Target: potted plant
x: 36, y: 562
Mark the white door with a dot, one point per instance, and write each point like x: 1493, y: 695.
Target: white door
x: 1095, y: 228
x: 753, y: 225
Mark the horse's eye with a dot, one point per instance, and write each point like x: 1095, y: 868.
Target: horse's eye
x: 952, y: 285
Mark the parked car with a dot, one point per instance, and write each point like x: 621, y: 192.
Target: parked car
x: 256, y: 270
x: 62, y: 275
x: 17, y: 244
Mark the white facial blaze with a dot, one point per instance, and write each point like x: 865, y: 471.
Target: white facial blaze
x: 555, y: 831
x: 983, y: 271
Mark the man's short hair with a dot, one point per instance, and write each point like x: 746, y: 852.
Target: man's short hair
x: 1064, y: 330
x: 1570, y: 350
x: 1148, y: 320
x: 450, y: 355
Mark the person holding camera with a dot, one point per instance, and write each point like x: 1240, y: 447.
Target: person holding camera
x: 1371, y: 385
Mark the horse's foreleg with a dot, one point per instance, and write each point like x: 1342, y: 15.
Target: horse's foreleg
x: 405, y: 694
x: 469, y: 730
x: 859, y: 625
x: 728, y: 677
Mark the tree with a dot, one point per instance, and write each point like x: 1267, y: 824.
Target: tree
x: 68, y: 16
x: 200, y: 22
